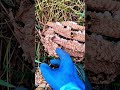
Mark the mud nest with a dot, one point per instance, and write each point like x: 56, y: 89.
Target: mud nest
x: 67, y: 35
x: 103, y: 41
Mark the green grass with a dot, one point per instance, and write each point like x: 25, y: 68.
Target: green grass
x: 59, y: 10
x: 9, y: 75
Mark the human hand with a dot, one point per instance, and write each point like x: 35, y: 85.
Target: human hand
x: 65, y: 74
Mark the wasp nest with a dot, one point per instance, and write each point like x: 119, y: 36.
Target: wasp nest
x: 103, y: 62
x: 105, y: 23
x: 103, y: 5
x: 67, y: 35
x: 103, y: 41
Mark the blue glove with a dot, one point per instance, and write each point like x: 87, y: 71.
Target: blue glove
x: 65, y: 77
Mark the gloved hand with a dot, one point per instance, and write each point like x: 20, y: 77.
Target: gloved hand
x: 63, y: 77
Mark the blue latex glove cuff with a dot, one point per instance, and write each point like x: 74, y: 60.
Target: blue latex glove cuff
x: 70, y: 86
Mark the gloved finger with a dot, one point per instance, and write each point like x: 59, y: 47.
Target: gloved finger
x: 46, y: 71
x: 45, y: 68
x: 66, y: 61
x: 48, y: 74
x: 55, y: 61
